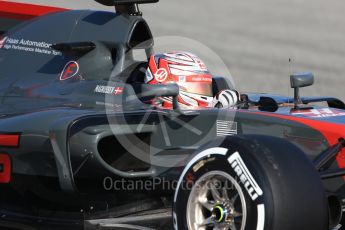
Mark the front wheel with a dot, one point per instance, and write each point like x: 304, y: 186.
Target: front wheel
x: 217, y: 200
x: 250, y: 183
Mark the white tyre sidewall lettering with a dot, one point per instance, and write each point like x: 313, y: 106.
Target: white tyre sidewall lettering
x: 261, y: 215
x: 207, y: 152
x: 246, y: 177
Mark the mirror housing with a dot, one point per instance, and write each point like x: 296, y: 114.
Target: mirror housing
x: 129, y: 7
x: 124, y: 2
x: 300, y: 80
x: 297, y: 81
x: 160, y: 90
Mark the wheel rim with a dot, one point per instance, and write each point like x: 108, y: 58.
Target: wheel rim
x: 216, y: 202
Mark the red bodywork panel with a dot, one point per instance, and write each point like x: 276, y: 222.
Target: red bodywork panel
x: 9, y: 140
x: 329, y: 130
x: 5, y: 169
x: 23, y: 11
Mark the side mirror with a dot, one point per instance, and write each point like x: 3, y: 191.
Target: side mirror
x: 152, y: 91
x: 159, y: 90
x: 124, y: 2
x: 300, y: 80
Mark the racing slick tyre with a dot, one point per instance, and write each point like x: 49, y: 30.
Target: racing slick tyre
x: 250, y: 183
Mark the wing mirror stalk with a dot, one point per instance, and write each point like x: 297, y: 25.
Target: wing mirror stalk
x: 153, y: 91
x: 168, y: 90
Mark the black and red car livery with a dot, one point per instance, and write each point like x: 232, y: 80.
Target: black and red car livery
x: 74, y: 126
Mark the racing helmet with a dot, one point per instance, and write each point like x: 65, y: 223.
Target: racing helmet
x: 190, y: 74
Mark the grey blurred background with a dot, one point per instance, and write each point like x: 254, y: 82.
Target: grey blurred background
x: 256, y: 38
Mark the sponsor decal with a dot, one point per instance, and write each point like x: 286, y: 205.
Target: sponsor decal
x: 109, y: 105
x: 206, y: 78
x: 161, y: 75
x: 2, y: 42
x: 226, y: 128
x: 202, y: 163
x: 320, y: 113
x: 70, y: 70
x: 245, y: 176
x: 25, y: 45
x: 205, y: 153
x: 108, y: 90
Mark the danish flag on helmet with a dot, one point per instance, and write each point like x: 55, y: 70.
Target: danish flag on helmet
x: 188, y: 71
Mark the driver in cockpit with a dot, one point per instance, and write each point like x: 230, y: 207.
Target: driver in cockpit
x: 193, y: 78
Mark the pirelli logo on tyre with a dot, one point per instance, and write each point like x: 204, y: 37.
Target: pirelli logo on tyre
x: 245, y: 176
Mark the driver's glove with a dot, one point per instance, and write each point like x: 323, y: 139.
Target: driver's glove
x: 226, y: 99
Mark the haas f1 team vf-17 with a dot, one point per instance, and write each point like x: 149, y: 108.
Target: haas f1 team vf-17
x: 81, y: 146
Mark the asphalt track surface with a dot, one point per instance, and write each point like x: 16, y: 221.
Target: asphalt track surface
x: 256, y: 38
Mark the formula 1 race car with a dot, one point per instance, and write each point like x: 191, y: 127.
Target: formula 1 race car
x: 80, y: 147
